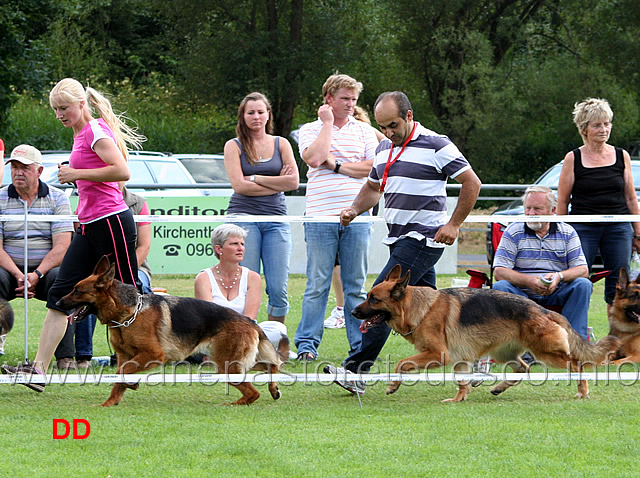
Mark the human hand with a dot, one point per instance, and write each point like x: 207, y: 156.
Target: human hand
x: 330, y: 162
x: 347, y: 215
x: 325, y: 113
x: 286, y: 170
x: 30, y: 288
x: 447, y: 234
x: 66, y: 174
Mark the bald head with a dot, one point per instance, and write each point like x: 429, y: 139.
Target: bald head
x: 394, y: 116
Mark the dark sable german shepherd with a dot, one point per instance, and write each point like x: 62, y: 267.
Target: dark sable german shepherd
x: 149, y: 330
x: 457, y: 326
x: 624, y: 319
x: 6, y: 317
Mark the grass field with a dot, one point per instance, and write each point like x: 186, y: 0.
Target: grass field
x: 318, y: 430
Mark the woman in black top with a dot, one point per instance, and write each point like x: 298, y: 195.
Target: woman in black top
x: 595, y: 179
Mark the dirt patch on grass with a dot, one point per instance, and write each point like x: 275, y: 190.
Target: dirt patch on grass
x: 474, y: 241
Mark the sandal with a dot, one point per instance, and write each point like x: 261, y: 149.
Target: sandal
x: 306, y: 357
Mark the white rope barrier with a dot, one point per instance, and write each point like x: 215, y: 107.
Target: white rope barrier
x: 302, y: 219
x: 535, y: 378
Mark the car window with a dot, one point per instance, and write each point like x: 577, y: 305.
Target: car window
x: 551, y: 177
x: 168, y: 172
x: 140, y: 173
x: 206, y: 170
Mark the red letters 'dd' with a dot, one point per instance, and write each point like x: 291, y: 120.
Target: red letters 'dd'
x: 67, y: 428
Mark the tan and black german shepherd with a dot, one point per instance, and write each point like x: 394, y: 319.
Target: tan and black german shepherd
x: 149, y: 330
x: 624, y: 319
x: 458, y: 326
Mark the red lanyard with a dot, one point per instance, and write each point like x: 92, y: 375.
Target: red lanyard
x: 390, y: 162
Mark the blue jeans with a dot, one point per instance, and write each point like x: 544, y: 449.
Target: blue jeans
x: 412, y: 255
x: 574, y: 297
x: 614, y: 242
x: 324, y: 241
x: 270, y: 242
x: 145, y: 281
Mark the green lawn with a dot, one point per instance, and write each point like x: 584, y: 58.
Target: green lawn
x: 318, y: 429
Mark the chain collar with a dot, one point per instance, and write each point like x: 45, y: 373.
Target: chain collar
x: 130, y: 321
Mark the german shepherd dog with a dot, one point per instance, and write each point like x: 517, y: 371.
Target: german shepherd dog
x: 624, y: 319
x: 6, y: 317
x: 457, y: 326
x: 149, y: 330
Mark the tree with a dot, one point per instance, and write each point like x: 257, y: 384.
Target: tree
x: 22, y: 68
x: 283, y: 48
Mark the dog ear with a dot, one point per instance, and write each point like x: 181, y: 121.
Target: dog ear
x: 102, y: 266
x: 398, y: 291
x: 106, y: 277
x: 394, y: 273
x: 623, y: 280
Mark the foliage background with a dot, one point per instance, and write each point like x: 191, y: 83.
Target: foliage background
x: 499, y: 77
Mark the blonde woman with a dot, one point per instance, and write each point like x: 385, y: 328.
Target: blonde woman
x: 97, y: 163
x: 596, y: 179
x: 231, y: 285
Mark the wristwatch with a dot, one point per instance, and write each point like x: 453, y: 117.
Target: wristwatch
x: 561, y: 276
x: 38, y: 273
x: 338, y: 164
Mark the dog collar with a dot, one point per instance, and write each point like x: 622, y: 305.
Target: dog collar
x: 403, y: 335
x: 130, y: 321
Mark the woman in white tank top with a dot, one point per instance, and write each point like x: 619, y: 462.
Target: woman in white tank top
x: 231, y: 285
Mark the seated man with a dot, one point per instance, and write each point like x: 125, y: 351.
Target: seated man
x: 47, y: 242
x: 544, y: 261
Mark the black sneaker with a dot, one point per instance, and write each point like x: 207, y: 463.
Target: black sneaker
x: 26, y: 369
x: 353, y: 386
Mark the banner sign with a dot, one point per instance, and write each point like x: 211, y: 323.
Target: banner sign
x: 182, y: 247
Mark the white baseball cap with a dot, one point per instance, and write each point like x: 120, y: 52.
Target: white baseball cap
x: 25, y: 154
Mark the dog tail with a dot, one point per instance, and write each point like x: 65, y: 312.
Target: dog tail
x: 594, y: 353
x: 284, y: 347
x: 6, y: 317
x: 267, y: 354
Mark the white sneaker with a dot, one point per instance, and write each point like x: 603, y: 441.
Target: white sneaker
x: 336, y: 319
x: 340, y: 374
x: 2, y: 339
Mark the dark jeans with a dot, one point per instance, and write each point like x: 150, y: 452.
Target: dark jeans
x: 8, y: 284
x: 80, y: 348
x: 614, y: 242
x: 412, y: 255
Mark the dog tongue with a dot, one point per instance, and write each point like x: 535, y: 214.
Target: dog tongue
x: 364, y: 327
x: 72, y: 316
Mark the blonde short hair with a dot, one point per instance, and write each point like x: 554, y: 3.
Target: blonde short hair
x: 223, y: 232
x: 591, y: 109
x: 337, y: 81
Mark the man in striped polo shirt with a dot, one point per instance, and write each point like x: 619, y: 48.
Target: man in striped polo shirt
x: 339, y: 151
x: 544, y: 261
x: 47, y: 241
x: 411, y: 168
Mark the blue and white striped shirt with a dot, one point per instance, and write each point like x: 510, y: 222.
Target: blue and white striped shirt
x: 50, y: 201
x: 522, y: 250
x: 415, y: 196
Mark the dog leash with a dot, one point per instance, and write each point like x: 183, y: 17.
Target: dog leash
x: 393, y: 332
x: 130, y: 321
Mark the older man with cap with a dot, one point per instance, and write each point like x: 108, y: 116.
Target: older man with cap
x: 47, y: 241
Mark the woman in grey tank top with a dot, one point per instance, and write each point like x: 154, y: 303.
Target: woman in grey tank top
x: 261, y: 167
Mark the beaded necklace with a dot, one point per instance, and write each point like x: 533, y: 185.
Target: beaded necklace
x: 235, y: 278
